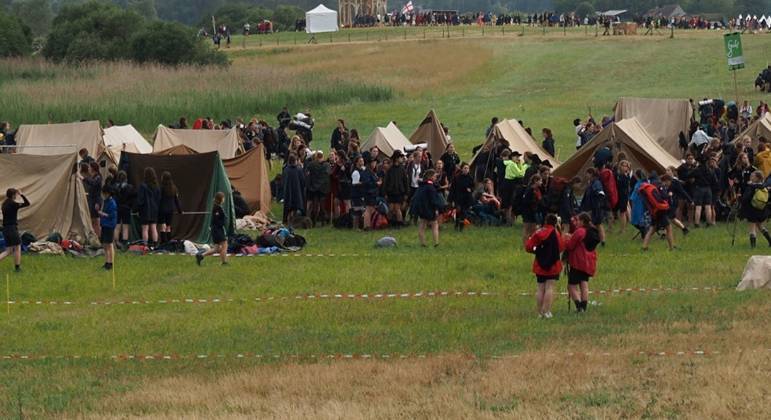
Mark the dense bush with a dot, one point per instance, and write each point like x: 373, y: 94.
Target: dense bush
x: 15, y: 37
x: 103, y: 31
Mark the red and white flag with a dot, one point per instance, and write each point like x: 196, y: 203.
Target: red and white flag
x: 408, y: 8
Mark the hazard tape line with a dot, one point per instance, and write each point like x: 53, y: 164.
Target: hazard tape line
x: 345, y: 356
x: 360, y: 296
x: 282, y: 254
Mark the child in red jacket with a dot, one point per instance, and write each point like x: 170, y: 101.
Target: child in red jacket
x: 546, y: 244
x: 582, y: 259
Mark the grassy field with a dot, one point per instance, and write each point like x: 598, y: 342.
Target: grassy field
x: 174, y: 340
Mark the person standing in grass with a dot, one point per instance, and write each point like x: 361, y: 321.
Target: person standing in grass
x: 461, y: 194
x: 426, y: 205
x: 148, y: 204
x: 10, y: 208
x: 125, y: 196
x: 108, y: 219
x: 582, y: 259
x: 755, y: 207
x: 548, y: 142
x: 218, y: 235
x: 168, y: 206
x: 546, y: 244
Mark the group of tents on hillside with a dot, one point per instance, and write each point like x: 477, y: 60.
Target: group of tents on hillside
x: 203, y: 162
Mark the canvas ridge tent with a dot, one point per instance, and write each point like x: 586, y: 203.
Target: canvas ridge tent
x: 760, y: 128
x: 627, y: 136
x: 198, y: 178
x: 663, y: 119
x: 60, y: 139
x: 119, y: 138
x: 57, y: 196
x: 225, y: 142
x: 430, y: 131
x: 517, y: 139
x: 321, y: 19
x: 388, y: 139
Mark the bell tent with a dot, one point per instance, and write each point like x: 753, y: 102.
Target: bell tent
x: 430, y: 131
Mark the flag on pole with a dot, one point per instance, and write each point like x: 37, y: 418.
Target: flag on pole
x: 408, y: 8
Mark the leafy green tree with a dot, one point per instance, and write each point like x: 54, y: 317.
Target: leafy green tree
x: 37, y: 14
x: 145, y: 8
x: 584, y: 9
x: 15, y: 37
x: 172, y: 43
x: 284, y: 17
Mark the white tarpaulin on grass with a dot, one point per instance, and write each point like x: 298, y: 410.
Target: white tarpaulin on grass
x: 320, y: 20
x: 757, y: 273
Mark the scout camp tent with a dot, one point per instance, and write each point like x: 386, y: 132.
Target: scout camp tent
x: 759, y: 128
x: 627, y: 136
x: 225, y: 142
x: 320, y: 20
x: 57, y: 196
x: 125, y: 137
x: 248, y: 173
x: 60, y: 139
x: 198, y: 177
x: 663, y: 119
x: 512, y: 134
x: 430, y: 131
x: 757, y: 273
x: 387, y: 139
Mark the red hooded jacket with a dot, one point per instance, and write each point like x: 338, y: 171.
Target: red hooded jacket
x: 579, y: 257
x: 543, y: 242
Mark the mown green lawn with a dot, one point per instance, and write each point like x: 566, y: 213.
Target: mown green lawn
x: 478, y: 260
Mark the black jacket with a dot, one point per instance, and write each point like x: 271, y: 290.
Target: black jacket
x: 461, y: 191
x: 396, y: 181
x: 148, y: 202
x: 426, y: 202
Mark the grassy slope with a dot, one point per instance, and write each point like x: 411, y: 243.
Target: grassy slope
x: 546, y: 82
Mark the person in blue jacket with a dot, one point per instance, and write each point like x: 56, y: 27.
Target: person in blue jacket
x: 108, y: 219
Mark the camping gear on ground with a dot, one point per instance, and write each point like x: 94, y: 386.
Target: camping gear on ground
x: 663, y: 119
x: 198, y: 178
x: 757, y: 273
x: 202, y: 141
x: 283, y: 238
x: 57, y: 196
x: 627, y: 136
x: 45, y: 248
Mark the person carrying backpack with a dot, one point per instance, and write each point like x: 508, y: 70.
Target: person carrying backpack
x: 546, y: 243
x: 581, y: 247
x: 755, y: 207
x: 658, y: 206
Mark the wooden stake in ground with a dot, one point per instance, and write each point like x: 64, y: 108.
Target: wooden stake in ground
x: 8, y: 293
x: 113, y: 271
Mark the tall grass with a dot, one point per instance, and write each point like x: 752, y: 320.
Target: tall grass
x: 38, y: 92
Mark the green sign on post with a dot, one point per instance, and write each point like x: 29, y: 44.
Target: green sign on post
x: 733, y: 50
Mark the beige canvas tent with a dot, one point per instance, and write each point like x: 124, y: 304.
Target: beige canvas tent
x: 387, y: 139
x: 757, y: 273
x: 59, y: 139
x: 663, y: 119
x: 248, y: 173
x: 226, y: 142
x: 760, y: 128
x: 119, y: 138
x: 627, y: 136
x: 57, y: 196
x: 430, y: 131
x: 511, y: 133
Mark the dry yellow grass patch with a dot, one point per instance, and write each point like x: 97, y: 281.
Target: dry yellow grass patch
x: 547, y: 384
x: 410, y: 67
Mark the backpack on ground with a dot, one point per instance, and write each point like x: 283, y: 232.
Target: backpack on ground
x: 760, y: 198
x: 344, y: 222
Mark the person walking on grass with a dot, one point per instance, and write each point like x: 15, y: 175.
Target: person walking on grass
x: 108, y: 219
x: 581, y: 247
x: 10, y: 208
x: 218, y: 235
x: 546, y: 244
x: 426, y: 205
x: 755, y: 207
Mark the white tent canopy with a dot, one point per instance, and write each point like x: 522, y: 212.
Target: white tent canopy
x: 320, y: 20
x: 120, y: 137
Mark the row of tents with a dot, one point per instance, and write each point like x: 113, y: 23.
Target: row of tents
x: 203, y: 162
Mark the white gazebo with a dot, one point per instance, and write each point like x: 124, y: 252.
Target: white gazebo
x: 320, y: 19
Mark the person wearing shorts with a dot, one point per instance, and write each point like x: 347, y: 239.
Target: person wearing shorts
x: 581, y: 247
x: 426, y: 205
x: 219, y: 236
x: 705, y: 179
x: 108, y: 219
x: 546, y: 243
x: 10, y: 209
